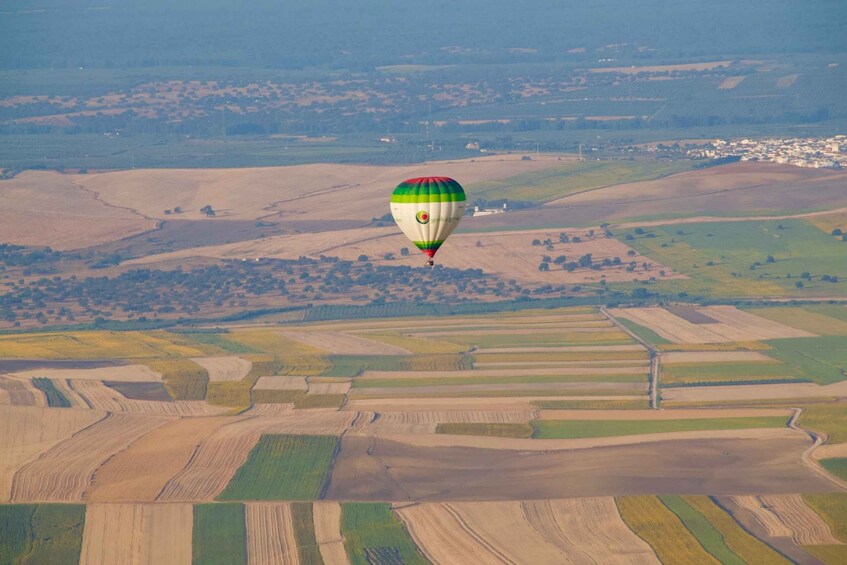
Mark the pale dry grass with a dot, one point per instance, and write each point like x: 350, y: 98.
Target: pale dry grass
x: 223, y: 369
x: 139, y: 473
x: 341, y: 343
x: 754, y: 392
x: 672, y: 357
x: 63, y: 473
x: 653, y: 415
x: 270, y: 534
x: 281, y: 383
x: 465, y: 403
x: 731, y: 82
x: 329, y: 388
x: 663, y: 68
x: 327, y: 519
x: 101, y: 397
x: 137, y: 534
x: 27, y: 432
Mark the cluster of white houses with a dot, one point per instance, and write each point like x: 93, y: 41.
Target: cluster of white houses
x: 815, y: 152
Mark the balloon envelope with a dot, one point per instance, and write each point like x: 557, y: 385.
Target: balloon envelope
x: 427, y: 210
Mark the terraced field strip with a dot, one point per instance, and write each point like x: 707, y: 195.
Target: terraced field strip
x: 220, y: 534
x: 139, y: 473
x: 516, y: 377
x: 748, y: 548
x: 97, y: 345
x: 755, y: 393
x: 137, y: 533
x: 122, y: 373
x: 303, y: 520
x: 284, y: 467
x: 693, y: 374
x: 281, y: 383
x: 327, y: 525
x: 101, y: 397
x: 832, y: 509
x: 41, y: 533
x: 535, y: 339
x: 807, y: 528
x: 55, y: 398
x: 273, y: 342
x: 373, y: 534
x: 582, y: 404
x: 495, y: 430
x: 822, y: 359
x: 709, y: 537
x: 26, y: 432
x: 667, y: 414
x: 270, y: 533
x: 220, y: 455
x: 564, y: 429
x: 21, y: 392
x: 64, y: 472
x: 344, y: 343
x: 686, y: 357
x: 653, y: 522
x: 578, y: 388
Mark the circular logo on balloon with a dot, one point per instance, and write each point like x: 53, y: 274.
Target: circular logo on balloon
x: 422, y: 217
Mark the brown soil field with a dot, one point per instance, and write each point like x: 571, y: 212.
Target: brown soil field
x: 735, y: 325
x: 689, y: 314
x: 754, y: 392
x: 270, y: 534
x: 662, y: 414
x: 140, y: 472
x: 123, y: 373
x: 137, y: 534
x: 216, y: 459
x: 27, y: 432
x: 220, y: 369
x: 671, y: 357
x: 327, y: 518
x: 807, y: 528
x: 101, y: 397
x: 20, y: 392
x: 374, y: 468
x: 344, y: 344
x: 281, y: 383
x: 737, y: 189
x: 134, y: 391
x: 64, y: 472
x: 45, y: 208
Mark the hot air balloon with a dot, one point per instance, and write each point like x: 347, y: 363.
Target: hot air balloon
x: 428, y: 209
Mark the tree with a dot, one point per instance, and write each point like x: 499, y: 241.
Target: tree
x: 799, y: 284
x: 536, y: 242
x: 363, y: 258
x: 404, y: 251
x: 207, y: 209
x: 770, y: 259
x: 837, y: 231
x: 544, y: 267
x: 563, y: 238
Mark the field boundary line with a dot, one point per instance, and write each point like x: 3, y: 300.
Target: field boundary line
x: 806, y: 457
x: 655, y: 358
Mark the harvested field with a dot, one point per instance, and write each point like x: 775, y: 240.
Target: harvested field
x: 734, y: 325
x: 482, y: 374
x: 100, y: 397
x: 55, y: 398
x: 22, y: 392
x: 672, y: 357
x: 754, y: 392
x: 553, y: 388
x: 224, y: 369
x: 118, y: 373
x: 425, y: 468
x: 340, y: 343
x: 327, y: 519
x: 139, y: 473
x: 653, y: 415
x: 574, y: 349
x: 137, y: 533
x: 27, y: 432
x: 270, y: 534
x: 412, y: 404
x: 329, y: 388
x: 731, y: 82
x: 47, y: 208
x: 455, y: 416
x: 807, y: 528
x: 63, y: 473
x: 562, y: 429
x: 766, y: 517
x: 218, y: 457
x: 806, y: 319
x: 560, y: 531
x: 281, y: 383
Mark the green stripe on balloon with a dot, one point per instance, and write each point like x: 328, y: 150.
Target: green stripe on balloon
x: 428, y: 186
x: 428, y: 245
x: 424, y: 198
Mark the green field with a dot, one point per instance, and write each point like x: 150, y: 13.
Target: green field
x: 303, y: 519
x: 574, y: 177
x: 731, y: 258
x: 821, y: 359
x: 220, y: 534
x: 494, y: 430
x: 645, y: 333
x: 284, y: 467
x: 693, y: 374
x: 372, y: 534
x: 561, y: 339
x: 653, y: 522
x: 816, y: 319
x: 836, y: 466
x: 183, y: 378
x: 832, y: 507
x: 41, y: 533
x: 828, y: 418
x: 55, y: 398
x: 708, y: 536
x: 567, y: 429
x: 319, y: 401
x: 354, y: 365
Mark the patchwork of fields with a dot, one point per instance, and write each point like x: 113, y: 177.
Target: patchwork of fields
x: 411, y: 440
